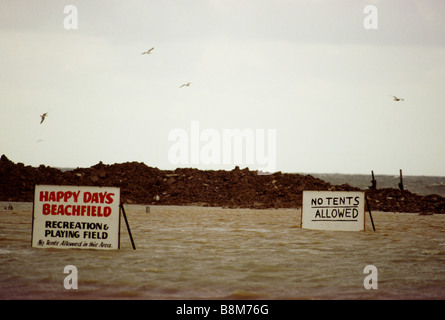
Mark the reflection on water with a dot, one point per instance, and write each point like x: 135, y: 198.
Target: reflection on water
x: 214, y: 253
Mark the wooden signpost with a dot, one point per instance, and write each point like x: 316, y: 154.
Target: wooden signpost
x: 79, y: 217
x: 334, y: 210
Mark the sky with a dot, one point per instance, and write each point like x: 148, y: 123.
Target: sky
x: 307, y: 70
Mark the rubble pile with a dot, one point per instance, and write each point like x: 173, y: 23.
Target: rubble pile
x: 238, y: 188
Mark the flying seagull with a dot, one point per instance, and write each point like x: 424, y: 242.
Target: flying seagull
x: 148, y: 51
x: 43, y: 116
x: 397, y: 99
x: 186, y: 85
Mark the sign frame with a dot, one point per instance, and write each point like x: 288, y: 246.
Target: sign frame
x: 333, y: 210
x: 76, y: 217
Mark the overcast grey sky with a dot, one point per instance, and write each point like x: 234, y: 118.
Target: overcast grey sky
x: 306, y: 68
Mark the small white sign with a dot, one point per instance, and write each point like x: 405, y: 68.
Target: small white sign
x: 333, y: 210
x: 76, y: 217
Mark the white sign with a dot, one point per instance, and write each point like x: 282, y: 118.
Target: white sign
x: 76, y: 217
x: 333, y: 210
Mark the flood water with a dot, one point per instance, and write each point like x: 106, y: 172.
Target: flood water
x: 215, y: 253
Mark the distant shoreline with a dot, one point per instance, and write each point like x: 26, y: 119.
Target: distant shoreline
x: 18, y: 207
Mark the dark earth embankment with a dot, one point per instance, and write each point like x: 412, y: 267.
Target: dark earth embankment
x: 238, y: 188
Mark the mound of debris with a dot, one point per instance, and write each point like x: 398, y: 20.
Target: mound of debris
x: 238, y: 188
x: 395, y: 200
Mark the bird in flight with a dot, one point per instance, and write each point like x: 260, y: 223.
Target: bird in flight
x: 43, y: 116
x: 397, y: 99
x: 186, y: 85
x: 148, y: 51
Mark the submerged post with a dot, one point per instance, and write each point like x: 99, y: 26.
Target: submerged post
x: 128, y: 226
x: 401, y: 181
x: 373, y: 182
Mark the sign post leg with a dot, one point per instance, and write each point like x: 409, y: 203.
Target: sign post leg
x: 128, y: 226
x: 369, y: 210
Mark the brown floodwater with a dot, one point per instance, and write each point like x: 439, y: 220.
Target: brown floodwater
x: 216, y: 253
